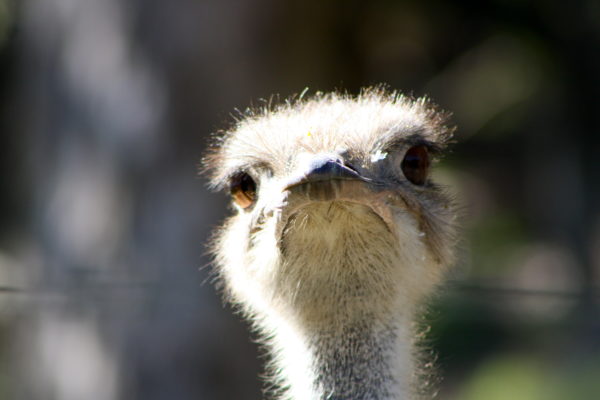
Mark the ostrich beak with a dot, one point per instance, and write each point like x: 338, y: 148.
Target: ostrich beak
x: 327, y: 179
x: 324, y: 168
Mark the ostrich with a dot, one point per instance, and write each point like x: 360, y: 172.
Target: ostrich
x: 337, y: 237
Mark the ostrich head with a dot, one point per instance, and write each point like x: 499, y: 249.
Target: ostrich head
x: 337, y: 236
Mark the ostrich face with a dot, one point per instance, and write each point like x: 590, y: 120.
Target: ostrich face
x: 336, y: 217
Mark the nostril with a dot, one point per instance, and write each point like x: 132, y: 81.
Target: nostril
x: 322, y: 163
x: 331, y: 168
x: 325, y: 167
x: 350, y: 166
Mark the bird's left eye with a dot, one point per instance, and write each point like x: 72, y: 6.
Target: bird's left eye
x: 243, y: 190
x: 415, y: 164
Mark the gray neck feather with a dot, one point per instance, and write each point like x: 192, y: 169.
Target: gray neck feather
x: 360, y: 360
x: 354, y: 364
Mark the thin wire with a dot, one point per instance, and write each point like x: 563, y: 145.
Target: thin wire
x: 493, y: 290
x: 458, y: 286
x: 10, y: 289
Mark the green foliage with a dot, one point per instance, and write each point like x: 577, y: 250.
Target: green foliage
x: 525, y: 377
x: 494, y: 241
x: 6, y: 20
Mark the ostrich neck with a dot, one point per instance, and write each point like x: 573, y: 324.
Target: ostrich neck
x: 340, y: 339
x: 343, y: 307
x: 366, y: 358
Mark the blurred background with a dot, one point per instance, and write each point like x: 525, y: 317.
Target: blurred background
x: 105, y: 111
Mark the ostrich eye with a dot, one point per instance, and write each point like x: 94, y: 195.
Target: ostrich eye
x: 243, y: 190
x: 416, y: 164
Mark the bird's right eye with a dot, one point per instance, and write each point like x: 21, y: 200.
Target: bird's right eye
x: 416, y: 164
x: 243, y: 190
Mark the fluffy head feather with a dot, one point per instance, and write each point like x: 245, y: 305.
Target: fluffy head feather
x: 332, y: 271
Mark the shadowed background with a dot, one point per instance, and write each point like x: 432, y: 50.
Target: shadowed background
x: 105, y: 111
